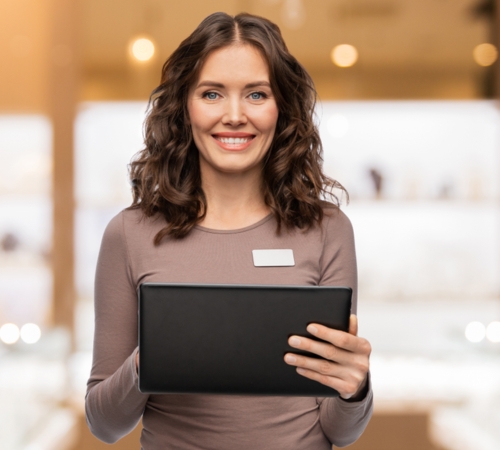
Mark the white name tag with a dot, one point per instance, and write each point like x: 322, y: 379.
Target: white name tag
x: 273, y: 257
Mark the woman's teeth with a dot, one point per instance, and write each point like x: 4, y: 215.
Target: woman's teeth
x: 230, y: 141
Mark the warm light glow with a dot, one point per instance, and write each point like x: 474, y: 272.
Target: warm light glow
x: 9, y: 333
x: 293, y: 14
x: 142, y: 49
x: 30, y: 333
x: 493, y: 332
x: 337, y: 125
x: 20, y: 45
x: 475, y: 332
x: 344, y: 55
x: 485, y: 54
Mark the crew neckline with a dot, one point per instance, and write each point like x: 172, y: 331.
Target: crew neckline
x: 237, y: 230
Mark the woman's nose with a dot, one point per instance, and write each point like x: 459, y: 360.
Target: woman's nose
x: 234, y: 113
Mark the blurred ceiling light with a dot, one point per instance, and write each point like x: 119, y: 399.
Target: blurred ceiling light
x: 344, y: 55
x: 475, y: 332
x: 337, y: 125
x: 493, y: 332
x: 30, y: 333
x: 293, y: 14
x: 9, y: 333
x: 485, y: 54
x: 142, y: 49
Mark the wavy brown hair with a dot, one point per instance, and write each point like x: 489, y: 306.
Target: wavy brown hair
x: 165, y: 175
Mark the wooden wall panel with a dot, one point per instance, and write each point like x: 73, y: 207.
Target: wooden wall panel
x: 63, y: 89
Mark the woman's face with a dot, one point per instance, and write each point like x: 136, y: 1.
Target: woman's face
x: 232, y: 111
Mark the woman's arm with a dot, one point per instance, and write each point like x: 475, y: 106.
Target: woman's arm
x: 344, y: 367
x: 343, y: 421
x: 113, y: 404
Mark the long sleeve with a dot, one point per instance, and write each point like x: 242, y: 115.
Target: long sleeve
x: 114, y: 404
x: 342, y: 422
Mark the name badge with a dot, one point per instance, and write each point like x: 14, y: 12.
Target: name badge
x: 282, y: 257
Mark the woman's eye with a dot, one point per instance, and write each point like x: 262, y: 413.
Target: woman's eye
x: 211, y: 95
x: 257, y: 95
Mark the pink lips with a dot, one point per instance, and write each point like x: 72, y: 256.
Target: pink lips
x: 233, y: 141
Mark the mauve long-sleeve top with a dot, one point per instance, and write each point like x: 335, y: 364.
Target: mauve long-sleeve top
x: 324, y: 255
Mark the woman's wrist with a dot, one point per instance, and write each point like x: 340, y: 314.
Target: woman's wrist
x: 360, y: 395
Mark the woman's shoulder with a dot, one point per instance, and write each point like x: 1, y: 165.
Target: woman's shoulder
x: 131, y: 221
x: 334, y: 217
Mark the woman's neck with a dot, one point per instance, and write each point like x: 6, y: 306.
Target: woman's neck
x: 233, y: 200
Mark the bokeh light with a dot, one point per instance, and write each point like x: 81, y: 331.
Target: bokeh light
x: 9, y: 333
x: 344, y: 55
x: 493, y: 332
x: 475, y: 332
x: 293, y: 14
x: 30, y: 333
x: 142, y: 49
x: 485, y: 54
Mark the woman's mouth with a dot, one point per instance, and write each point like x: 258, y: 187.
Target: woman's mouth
x: 235, y: 142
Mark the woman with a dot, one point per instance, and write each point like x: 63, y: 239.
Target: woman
x: 231, y: 163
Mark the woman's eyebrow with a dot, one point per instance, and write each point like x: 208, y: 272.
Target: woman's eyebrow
x: 210, y: 84
x: 220, y: 85
x: 257, y: 84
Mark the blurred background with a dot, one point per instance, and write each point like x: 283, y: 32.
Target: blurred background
x: 410, y: 123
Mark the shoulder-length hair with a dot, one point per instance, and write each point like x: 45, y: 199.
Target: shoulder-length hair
x: 165, y: 175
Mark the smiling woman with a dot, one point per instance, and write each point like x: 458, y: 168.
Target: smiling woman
x: 291, y: 178
x: 232, y: 163
x: 233, y: 121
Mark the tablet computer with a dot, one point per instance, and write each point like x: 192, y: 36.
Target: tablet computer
x: 231, y: 339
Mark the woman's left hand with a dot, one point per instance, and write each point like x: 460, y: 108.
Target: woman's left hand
x: 344, y: 362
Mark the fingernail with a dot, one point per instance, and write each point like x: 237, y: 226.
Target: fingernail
x: 301, y: 371
x: 312, y: 329
x: 290, y: 359
x: 294, y: 341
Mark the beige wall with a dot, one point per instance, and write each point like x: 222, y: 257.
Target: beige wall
x: 24, y: 55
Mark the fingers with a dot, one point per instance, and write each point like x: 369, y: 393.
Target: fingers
x: 354, y: 366
x: 323, y: 349
x: 319, y: 365
x: 335, y: 383
x: 344, y: 360
x: 346, y: 380
x: 353, y: 324
x: 340, y: 339
x: 346, y: 388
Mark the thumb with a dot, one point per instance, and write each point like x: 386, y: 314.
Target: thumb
x: 353, y: 324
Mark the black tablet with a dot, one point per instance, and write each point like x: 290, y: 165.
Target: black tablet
x: 231, y: 339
